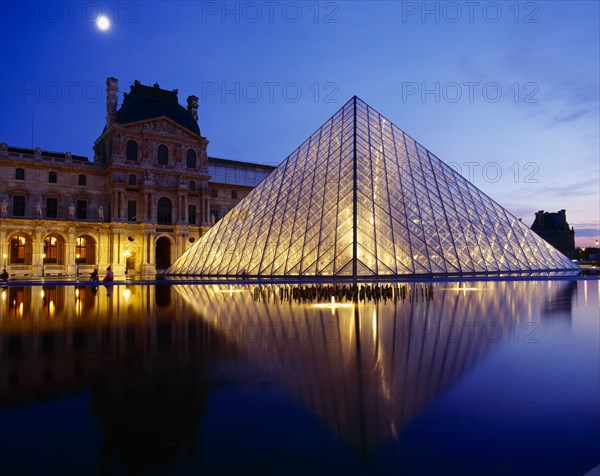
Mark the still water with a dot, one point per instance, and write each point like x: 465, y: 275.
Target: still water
x: 498, y: 377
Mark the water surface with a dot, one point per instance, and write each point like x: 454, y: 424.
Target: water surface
x: 497, y: 377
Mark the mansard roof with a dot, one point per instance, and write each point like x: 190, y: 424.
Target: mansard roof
x: 149, y: 102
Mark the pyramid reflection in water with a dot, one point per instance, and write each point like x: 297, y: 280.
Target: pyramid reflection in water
x: 362, y: 198
x: 368, y: 370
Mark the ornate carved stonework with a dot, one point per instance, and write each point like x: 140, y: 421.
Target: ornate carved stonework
x: 162, y: 126
x: 117, y: 144
x: 179, y: 154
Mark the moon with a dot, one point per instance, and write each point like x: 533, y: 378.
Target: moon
x: 103, y: 23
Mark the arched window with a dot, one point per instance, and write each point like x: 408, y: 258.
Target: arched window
x: 20, y: 174
x: 85, y: 250
x: 163, y: 155
x: 190, y: 159
x: 20, y: 250
x: 192, y: 186
x: 82, y: 179
x: 132, y: 179
x: 54, y: 250
x: 51, y: 177
x: 132, y: 150
x: 163, y: 211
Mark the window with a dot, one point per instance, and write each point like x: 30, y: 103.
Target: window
x: 82, y: 179
x: 81, y: 209
x: 192, y: 214
x: 163, y: 211
x: 234, y: 194
x: 190, y: 159
x: 85, y: 250
x: 132, y: 179
x: 51, y: 177
x: 132, y: 150
x: 20, y: 174
x: 192, y: 186
x: 53, y: 250
x: 20, y: 250
x: 18, y: 206
x: 213, y: 193
x: 51, y: 207
x: 131, y: 210
x: 163, y: 155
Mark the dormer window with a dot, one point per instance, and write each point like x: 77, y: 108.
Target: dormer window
x: 132, y: 150
x: 162, y: 155
x: 190, y: 159
x: 20, y: 174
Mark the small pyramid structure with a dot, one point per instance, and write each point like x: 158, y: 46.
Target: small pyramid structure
x: 361, y: 198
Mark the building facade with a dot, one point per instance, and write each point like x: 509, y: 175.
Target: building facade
x: 553, y: 228
x: 150, y: 191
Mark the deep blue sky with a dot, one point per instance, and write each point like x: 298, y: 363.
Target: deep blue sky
x: 514, y: 87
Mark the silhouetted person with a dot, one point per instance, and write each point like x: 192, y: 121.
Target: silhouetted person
x: 4, y: 275
x: 94, y: 275
x: 110, y: 276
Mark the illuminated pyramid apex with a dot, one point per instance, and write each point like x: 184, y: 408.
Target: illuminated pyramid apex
x: 361, y: 198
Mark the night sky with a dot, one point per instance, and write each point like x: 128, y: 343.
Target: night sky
x: 507, y: 92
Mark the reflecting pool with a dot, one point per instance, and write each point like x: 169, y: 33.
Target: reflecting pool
x: 491, y: 377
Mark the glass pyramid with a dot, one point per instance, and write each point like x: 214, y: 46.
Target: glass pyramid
x: 361, y: 198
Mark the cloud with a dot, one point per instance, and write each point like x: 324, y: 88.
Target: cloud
x: 576, y: 188
x: 593, y: 232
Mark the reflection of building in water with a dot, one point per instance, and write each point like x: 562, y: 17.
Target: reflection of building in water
x: 145, y: 352
x: 559, y: 304
x: 367, y: 369
x: 134, y: 348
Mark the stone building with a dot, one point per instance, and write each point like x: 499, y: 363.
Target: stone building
x: 149, y: 193
x: 553, y: 228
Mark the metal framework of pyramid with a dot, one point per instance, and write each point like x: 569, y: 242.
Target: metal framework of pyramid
x: 361, y: 198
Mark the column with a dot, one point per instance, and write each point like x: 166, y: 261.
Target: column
x: 152, y: 250
x: 37, y: 250
x: 70, y: 252
x: 3, y: 247
x: 183, y: 214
